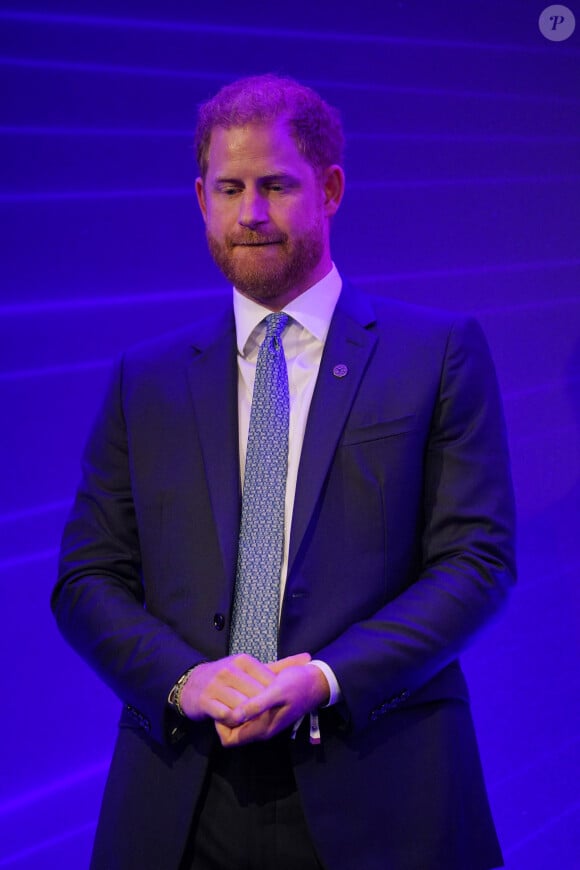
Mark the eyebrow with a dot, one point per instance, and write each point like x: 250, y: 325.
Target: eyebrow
x: 286, y: 177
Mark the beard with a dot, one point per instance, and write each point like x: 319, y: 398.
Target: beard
x: 285, y: 265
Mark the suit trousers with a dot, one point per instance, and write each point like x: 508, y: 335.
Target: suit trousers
x: 250, y: 814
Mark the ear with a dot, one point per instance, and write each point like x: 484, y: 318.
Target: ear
x: 333, y: 187
x: 200, y: 192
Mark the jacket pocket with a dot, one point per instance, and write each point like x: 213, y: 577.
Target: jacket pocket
x: 375, y: 430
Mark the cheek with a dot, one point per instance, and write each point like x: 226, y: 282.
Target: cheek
x: 295, y: 220
x: 218, y: 219
x: 306, y: 225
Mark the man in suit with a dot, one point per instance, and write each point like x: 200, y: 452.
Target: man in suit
x: 352, y: 746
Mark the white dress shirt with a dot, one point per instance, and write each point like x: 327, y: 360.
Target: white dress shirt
x: 303, y: 342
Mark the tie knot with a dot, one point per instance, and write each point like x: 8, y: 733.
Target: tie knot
x: 275, y: 324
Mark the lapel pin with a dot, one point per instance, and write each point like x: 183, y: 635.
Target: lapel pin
x: 340, y: 370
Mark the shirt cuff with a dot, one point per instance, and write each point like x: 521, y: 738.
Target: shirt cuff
x: 335, y: 693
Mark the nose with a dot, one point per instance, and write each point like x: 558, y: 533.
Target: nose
x: 253, y: 209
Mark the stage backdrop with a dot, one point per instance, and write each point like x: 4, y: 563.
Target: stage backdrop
x: 463, y: 190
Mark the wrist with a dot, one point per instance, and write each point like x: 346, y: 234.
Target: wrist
x: 334, y: 695
x: 321, y: 686
x: 176, y: 692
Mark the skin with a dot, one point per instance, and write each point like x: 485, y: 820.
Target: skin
x: 267, y: 214
x: 251, y: 701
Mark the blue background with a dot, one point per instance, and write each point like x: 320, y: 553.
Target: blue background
x: 463, y: 170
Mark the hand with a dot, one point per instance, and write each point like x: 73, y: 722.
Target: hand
x: 297, y: 688
x: 219, y: 689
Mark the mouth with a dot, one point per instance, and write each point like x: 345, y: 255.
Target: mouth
x: 255, y: 240
x: 256, y: 244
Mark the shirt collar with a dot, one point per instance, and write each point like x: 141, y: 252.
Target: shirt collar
x: 313, y: 309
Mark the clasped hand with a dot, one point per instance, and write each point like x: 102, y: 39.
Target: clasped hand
x: 251, y: 701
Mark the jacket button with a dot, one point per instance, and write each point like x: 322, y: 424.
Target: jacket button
x: 219, y: 621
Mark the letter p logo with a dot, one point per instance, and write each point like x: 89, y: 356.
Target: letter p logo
x: 557, y: 23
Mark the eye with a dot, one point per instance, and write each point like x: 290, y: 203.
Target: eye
x: 281, y: 184
x: 227, y: 189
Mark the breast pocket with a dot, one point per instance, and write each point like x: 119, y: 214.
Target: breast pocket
x: 361, y: 431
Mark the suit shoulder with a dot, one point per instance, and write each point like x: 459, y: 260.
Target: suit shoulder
x: 413, y: 315
x: 205, y: 326
x: 423, y: 323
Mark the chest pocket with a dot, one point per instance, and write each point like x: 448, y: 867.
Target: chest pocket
x: 360, y: 431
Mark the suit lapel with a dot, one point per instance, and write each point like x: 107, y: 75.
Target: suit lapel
x: 348, y: 348
x: 212, y: 375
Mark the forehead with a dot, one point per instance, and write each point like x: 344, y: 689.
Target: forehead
x: 256, y: 148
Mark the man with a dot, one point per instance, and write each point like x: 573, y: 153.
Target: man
x: 387, y: 517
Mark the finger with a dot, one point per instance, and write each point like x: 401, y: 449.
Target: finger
x: 297, y: 689
x: 236, y: 736
x: 233, y: 735
x: 246, y: 665
x: 242, y: 673
x: 259, y: 729
x: 257, y: 706
x: 223, y: 683
x: 228, y: 735
x: 290, y: 661
x: 217, y: 696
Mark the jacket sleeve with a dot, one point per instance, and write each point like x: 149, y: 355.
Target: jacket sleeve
x: 98, y: 600
x: 467, y: 552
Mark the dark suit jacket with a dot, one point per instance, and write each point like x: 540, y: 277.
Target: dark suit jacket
x: 401, y: 549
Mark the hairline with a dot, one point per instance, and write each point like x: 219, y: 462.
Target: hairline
x: 261, y: 120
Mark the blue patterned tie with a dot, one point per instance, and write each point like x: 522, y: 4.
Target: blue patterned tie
x: 257, y: 591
